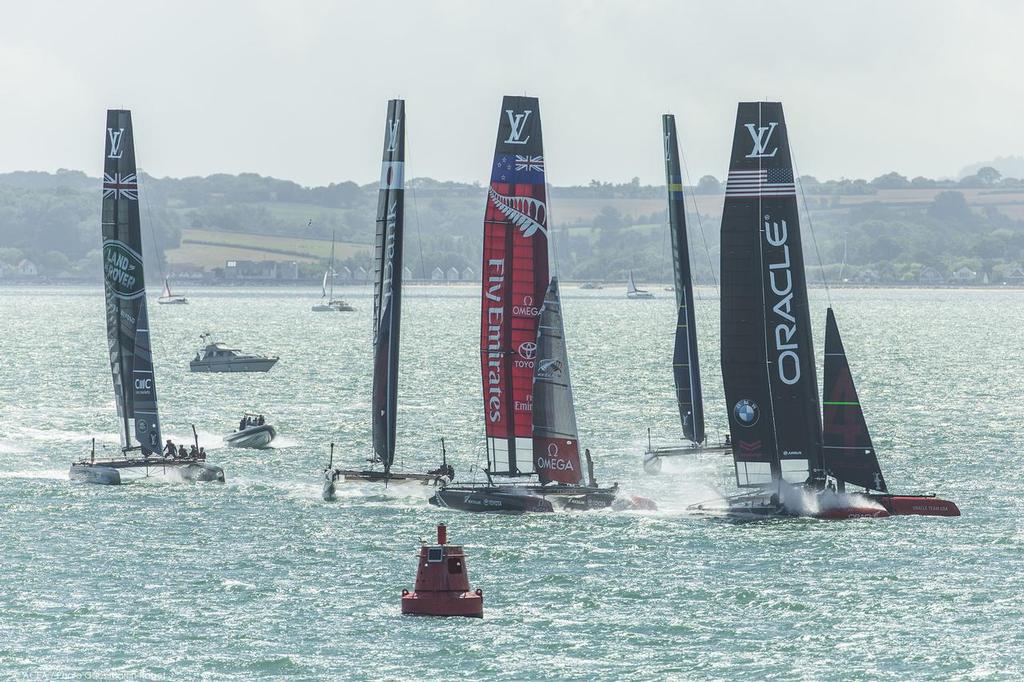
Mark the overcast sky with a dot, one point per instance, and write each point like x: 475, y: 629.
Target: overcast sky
x: 298, y: 89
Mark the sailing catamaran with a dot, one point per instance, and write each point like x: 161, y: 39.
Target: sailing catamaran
x: 797, y: 465
x: 327, y: 302
x: 128, y: 339
x: 167, y: 298
x: 685, y: 362
x: 387, y: 315
x: 530, y: 418
x: 633, y: 292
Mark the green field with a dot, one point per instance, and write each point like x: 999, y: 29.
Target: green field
x: 211, y: 248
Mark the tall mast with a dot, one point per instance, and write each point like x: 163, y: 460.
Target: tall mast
x: 685, y: 364
x: 128, y: 342
x: 387, y: 286
x: 767, y: 354
x: 515, y: 277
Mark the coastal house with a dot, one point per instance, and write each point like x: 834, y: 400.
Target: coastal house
x: 437, y: 274
x: 468, y: 275
x: 407, y: 273
x: 250, y: 270
x: 930, y: 275
x: 361, y: 275
x: 343, y: 275
x: 1015, y: 276
x: 453, y: 274
x: 27, y: 268
x: 964, y: 275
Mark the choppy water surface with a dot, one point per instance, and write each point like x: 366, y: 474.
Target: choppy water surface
x: 259, y: 577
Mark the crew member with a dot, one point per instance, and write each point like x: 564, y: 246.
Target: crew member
x: 590, y: 468
x: 182, y: 452
x: 169, y: 448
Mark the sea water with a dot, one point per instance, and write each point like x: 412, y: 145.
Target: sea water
x: 259, y: 577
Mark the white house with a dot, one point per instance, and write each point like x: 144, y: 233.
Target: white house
x: 27, y: 268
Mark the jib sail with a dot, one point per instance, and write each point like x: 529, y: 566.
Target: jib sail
x: 556, y: 452
x: 685, y: 365
x: 515, y: 277
x: 767, y: 357
x: 387, y: 286
x: 131, y: 358
x: 849, y: 454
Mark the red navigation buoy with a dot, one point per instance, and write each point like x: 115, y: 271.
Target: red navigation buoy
x: 442, y: 584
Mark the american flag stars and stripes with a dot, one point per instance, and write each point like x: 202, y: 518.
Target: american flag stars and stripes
x: 119, y: 186
x: 767, y: 182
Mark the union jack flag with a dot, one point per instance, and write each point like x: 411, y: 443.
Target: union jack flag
x: 530, y: 163
x: 119, y: 186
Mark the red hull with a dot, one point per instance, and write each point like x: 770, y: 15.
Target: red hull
x: 917, y: 505
x: 470, y: 604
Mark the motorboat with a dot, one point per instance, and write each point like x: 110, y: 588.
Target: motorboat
x: 218, y: 357
x: 251, y: 433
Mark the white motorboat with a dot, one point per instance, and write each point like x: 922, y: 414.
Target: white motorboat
x: 218, y: 357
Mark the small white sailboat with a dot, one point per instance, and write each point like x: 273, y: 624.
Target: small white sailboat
x: 167, y: 298
x: 633, y: 292
x: 328, y: 303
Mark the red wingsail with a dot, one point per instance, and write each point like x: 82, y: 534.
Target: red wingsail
x: 515, y: 277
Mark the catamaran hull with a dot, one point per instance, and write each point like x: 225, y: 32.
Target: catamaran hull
x: 373, y: 476
x: 257, y: 437
x: 916, y: 505
x: 200, y: 472
x: 525, y: 498
x: 174, y: 300
x: 98, y: 475
x: 489, y: 500
x: 110, y: 474
x: 255, y: 365
x: 330, y: 490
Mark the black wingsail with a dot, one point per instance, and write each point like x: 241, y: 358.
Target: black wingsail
x: 131, y: 358
x: 849, y: 454
x: 685, y: 365
x: 767, y: 357
x: 387, y: 287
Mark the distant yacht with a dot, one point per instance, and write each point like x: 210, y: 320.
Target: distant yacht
x: 591, y: 285
x: 128, y: 337
x: 327, y: 302
x: 167, y: 298
x: 633, y: 292
x: 217, y: 357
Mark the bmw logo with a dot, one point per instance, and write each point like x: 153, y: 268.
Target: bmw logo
x: 746, y: 412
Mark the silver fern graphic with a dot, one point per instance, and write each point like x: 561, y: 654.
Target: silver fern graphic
x: 526, y: 213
